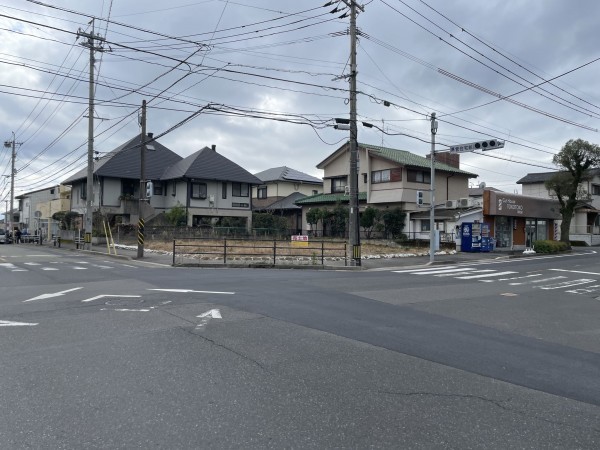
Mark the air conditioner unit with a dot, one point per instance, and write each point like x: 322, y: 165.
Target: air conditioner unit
x: 463, y: 203
x: 346, y: 190
x: 451, y: 204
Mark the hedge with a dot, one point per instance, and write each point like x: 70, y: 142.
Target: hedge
x: 547, y: 246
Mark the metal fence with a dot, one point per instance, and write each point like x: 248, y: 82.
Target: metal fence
x: 272, y: 252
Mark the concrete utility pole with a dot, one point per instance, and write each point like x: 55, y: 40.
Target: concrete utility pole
x: 11, y: 144
x: 354, y: 224
x: 141, y: 224
x: 432, y: 234
x: 89, y: 199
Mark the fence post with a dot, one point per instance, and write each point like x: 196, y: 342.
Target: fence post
x: 274, y: 252
x: 173, y: 251
x: 345, y: 253
x: 224, y: 250
x: 322, y: 253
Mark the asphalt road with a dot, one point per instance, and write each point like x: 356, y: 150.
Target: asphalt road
x: 99, y: 352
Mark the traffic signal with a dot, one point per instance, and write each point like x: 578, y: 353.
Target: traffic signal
x: 488, y: 145
x: 149, y: 189
x: 419, y: 198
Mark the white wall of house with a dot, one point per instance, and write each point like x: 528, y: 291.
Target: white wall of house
x: 535, y: 190
x: 285, y: 188
x: 111, y: 191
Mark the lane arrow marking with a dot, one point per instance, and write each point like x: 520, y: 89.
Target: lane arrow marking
x: 6, y: 323
x: 184, y: 291
x: 108, y: 295
x: 56, y: 294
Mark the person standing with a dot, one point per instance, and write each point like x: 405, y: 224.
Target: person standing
x: 18, y: 236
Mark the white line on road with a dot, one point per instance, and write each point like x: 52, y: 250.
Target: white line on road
x: 575, y: 271
x: 520, y: 283
x: 585, y: 290
x: 126, y: 310
x: 6, y: 323
x: 485, y: 275
x: 56, y: 294
x: 213, y: 313
x: 566, y: 284
x: 186, y: 291
x: 97, y: 297
x: 424, y: 269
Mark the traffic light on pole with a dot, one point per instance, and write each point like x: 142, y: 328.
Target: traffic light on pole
x: 489, y: 144
x: 419, y: 198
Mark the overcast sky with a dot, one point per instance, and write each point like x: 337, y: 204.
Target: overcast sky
x: 525, y: 71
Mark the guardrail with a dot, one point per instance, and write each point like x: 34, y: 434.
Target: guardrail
x: 198, y: 251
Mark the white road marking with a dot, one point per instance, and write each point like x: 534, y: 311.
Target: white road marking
x: 102, y: 267
x: 7, y: 323
x: 97, y: 297
x: 49, y: 268
x: 186, y: 291
x: 485, y: 275
x: 56, y: 294
x: 468, y: 272
x: 213, y: 313
x: 79, y: 268
x: 575, y: 271
x: 566, y: 284
x: 32, y: 264
x: 428, y: 268
x: 585, y: 290
x: 520, y: 283
x: 524, y: 276
x: 435, y: 272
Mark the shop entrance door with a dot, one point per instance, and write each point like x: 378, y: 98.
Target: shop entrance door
x: 503, y: 232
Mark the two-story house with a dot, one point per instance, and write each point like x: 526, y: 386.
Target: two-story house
x: 209, y: 186
x: 585, y: 224
x: 390, y: 178
x: 278, y: 191
x: 36, y: 208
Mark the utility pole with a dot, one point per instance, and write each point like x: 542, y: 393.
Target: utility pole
x: 91, y: 44
x: 432, y: 234
x: 140, y: 248
x: 354, y: 225
x: 12, y: 144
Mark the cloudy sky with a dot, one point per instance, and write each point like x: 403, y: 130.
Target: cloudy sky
x: 264, y: 79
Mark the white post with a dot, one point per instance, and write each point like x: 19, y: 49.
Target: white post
x: 432, y: 181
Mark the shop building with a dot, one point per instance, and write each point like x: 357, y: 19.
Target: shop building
x: 517, y: 221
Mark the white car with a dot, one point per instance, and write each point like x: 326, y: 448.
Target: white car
x: 3, y: 238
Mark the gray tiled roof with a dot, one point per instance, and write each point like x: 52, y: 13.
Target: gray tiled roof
x: 286, y: 174
x: 288, y: 202
x: 536, y: 177
x: 207, y: 164
x: 124, y: 162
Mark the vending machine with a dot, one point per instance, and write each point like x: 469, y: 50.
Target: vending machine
x: 475, y: 237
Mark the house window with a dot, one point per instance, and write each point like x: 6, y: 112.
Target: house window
x: 425, y: 225
x: 83, y: 193
x: 157, y: 188
x: 338, y: 184
x: 224, y: 189
x: 418, y: 176
x: 174, y: 189
x: 239, y: 190
x: 52, y: 191
x: 315, y: 192
x: 127, y: 187
x: 380, y: 176
x: 199, y: 190
x: 595, y: 189
x: 261, y: 192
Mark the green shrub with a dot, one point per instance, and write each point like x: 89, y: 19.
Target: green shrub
x: 547, y: 246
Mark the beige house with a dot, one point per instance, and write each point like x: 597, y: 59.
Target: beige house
x: 37, y: 207
x: 390, y: 178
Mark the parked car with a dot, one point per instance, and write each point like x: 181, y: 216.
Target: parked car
x: 3, y: 238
